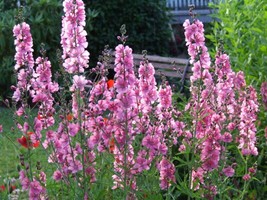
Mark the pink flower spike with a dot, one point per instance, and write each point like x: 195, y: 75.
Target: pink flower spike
x: 73, y: 37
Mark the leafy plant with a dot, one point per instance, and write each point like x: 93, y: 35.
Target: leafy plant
x: 241, y: 27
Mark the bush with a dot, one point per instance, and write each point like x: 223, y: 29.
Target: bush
x: 146, y: 22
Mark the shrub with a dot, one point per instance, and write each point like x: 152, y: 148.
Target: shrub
x: 146, y: 22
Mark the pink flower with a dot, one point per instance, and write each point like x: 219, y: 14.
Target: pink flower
x: 121, y: 85
x: 150, y: 142
x: 57, y: 176
x: 165, y: 97
x: 16, y: 95
x: 146, y: 71
x: 228, y: 171
x: 182, y: 148
x: 227, y: 137
x: 126, y: 100
x: 75, y: 166
x: 73, y: 37
x: 246, y: 177
x: 252, y: 170
x: 25, y: 182
x: 197, y: 178
x: 247, y: 127
x: 36, y: 190
x: 24, y: 59
x: 167, y: 170
x: 240, y: 80
x: 79, y: 82
x: 93, y: 140
x: 42, y: 177
x: 24, y: 45
x: 73, y: 129
x: 141, y: 164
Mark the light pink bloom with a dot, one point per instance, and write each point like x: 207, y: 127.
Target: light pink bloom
x: 227, y: 137
x: 36, y: 190
x: 79, y: 82
x: 73, y: 37
x: 73, y: 129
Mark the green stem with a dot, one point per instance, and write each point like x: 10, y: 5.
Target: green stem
x: 30, y: 164
x: 125, y: 155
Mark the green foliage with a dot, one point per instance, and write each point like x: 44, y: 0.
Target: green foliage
x: 242, y: 29
x: 146, y: 23
x: 7, y: 50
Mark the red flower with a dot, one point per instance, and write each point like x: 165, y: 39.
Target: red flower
x: 110, y: 83
x: 40, y: 117
x: 69, y: 117
x: 26, y: 142
x: 111, y: 145
x: 2, y: 188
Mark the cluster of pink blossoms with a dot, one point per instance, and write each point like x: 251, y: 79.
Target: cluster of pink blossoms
x: 24, y: 62
x: 216, y: 110
x: 42, y: 89
x: 36, y: 187
x: 115, y: 116
x: 73, y: 37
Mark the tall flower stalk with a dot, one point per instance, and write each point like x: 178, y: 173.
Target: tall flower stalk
x: 223, y: 110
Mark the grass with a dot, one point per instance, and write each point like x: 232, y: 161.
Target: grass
x: 10, y: 149
x: 9, y: 153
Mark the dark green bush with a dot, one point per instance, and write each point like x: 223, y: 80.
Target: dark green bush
x: 146, y: 23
